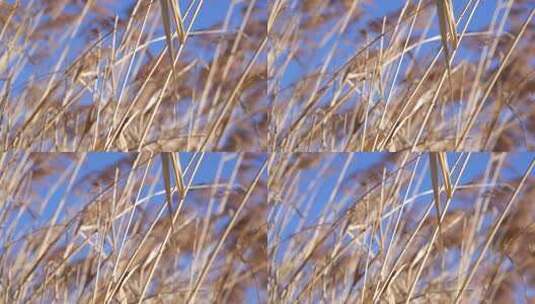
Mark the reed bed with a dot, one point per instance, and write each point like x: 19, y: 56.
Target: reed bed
x: 408, y: 91
x: 106, y: 228
x: 365, y: 228
x: 105, y: 75
x: 423, y: 75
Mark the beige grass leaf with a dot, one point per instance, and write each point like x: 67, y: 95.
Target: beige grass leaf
x: 167, y: 182
x: 177, y: 169
x: 448, y: 33
x: 177, y: 16
x: 445, y: 173
x: 164, y: 5
x: 433, y: 165
x: 4, y: 59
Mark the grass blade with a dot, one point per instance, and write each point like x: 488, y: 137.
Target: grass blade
x: 177, y: 169
x: 4, y: 60
x: 164, y: 5
x: 177, y: 16
x: 167, y: 182
x: 445, y: 173
x: 452, y: 33
x: 433, y: 165
x: 448, y: 33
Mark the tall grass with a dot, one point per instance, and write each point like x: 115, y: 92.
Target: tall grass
x: 429, y: 75
x: 358, y: 228
x: 133, y: 75
x: 159, y: 78
x: 96, y: 228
